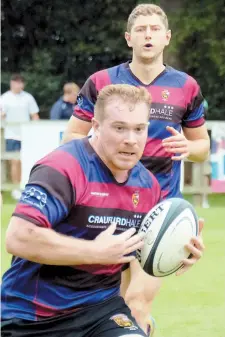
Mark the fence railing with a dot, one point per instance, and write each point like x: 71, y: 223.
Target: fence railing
x: 193, y: 173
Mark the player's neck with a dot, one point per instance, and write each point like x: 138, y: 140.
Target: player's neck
x: 120, y: 175
x: 146, y: 73
x: 15, y: 92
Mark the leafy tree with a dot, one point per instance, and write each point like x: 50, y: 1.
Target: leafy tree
x: 55, y: 41
x: 199, y: 44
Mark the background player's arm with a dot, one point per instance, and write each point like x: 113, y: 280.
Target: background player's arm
x: 35, y: 116
x: 194, y: 142
x: 76, y: 128
x: 33, y: 109
x: 198, y: 143
x: 80, y: 123
x: 193, y: 124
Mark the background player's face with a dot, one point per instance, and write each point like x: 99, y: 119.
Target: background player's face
x: 148, y: 37
x: 16, y: 86
x: 122, y: 135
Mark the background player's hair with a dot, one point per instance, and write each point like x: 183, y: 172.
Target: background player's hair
x: 128, y: 93
x: 146, y: 9
x: 70, y: 87
x: 17, y: 78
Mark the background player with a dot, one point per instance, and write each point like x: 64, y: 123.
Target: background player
x: 177, y: 126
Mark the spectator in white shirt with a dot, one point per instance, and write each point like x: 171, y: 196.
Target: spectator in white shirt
x: 17, y: 106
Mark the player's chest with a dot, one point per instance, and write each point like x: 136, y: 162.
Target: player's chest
x: 102, y: 205
x: 168, y: 104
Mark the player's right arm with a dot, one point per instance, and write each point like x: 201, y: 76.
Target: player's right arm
x: 76, y: 128
x: 34, y: 230
x: 80, y: 123
x: 45, y: 246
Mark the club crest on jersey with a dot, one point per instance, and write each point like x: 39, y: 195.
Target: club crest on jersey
x: 34, y: 197
x: 165, y: 94
x: 79, y: 100
x: 123, y: 321
x: 135, y: 198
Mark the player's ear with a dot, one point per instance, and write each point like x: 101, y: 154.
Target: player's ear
x: 168, y: 37
x: 95, y: 125
x: 127, y: 38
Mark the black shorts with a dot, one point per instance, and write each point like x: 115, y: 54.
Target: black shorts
x: 109, y: 319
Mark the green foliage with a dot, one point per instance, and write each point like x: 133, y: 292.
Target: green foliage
x: 54, y: 41
x: 199, y: 44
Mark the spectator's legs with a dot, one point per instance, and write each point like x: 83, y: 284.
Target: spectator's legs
x: 13, y: 145
x: 15, y: 171
x: 16, y: 177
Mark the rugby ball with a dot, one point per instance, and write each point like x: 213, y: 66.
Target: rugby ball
x: 168, y: 227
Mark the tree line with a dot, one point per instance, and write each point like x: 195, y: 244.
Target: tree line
x: 55, y: 41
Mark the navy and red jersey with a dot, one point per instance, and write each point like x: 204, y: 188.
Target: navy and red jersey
x: 73, y: 192
x: 176, y: 101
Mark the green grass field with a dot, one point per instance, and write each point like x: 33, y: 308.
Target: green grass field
x: 192, y: 305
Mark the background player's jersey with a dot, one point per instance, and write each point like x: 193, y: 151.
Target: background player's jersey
x: 72, y: 191
x: 176, y: 102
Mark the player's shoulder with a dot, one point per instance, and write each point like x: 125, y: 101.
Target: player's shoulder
x: 59, y: 101
x: 66, y: 159
x: 104, y: 73
x: 75, y: 148
x: 183, y: 78
x: 27, y: 95
x: 6, y: 94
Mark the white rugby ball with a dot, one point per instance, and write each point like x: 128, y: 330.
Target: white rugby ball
x: 168, y: 227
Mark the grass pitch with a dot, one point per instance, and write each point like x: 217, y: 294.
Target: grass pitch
x: 192, y: 305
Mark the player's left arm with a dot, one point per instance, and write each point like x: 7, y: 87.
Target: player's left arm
x: 198, y: 143
x: 193, y: 123
x: 137, y: 287
x: 193, y: 143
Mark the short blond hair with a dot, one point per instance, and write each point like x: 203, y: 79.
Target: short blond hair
x: 70, y: 87
x: 128, y: 93
x: 146, y: 9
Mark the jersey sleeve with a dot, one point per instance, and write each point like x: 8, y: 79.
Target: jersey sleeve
x: 55, y: 112
x: 33, y: 107
x: 196, y: 111
x: 50, y: 193
x: 84, y: 108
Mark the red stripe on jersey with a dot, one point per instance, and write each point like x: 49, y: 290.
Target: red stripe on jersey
x: 191, y: 89
x: 101, y: 79
x: 195, y: 124
x: 72, y: 170
x: 175, y: 95
x: 154, y: 148
x: 30, y: 213
x: 43, y: 310
x: 135, y: 199
x: 82, y: 114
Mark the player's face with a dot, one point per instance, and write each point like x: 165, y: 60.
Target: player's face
x: 121, y: 136
x: 16, y: 86
x: 148, y: 37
